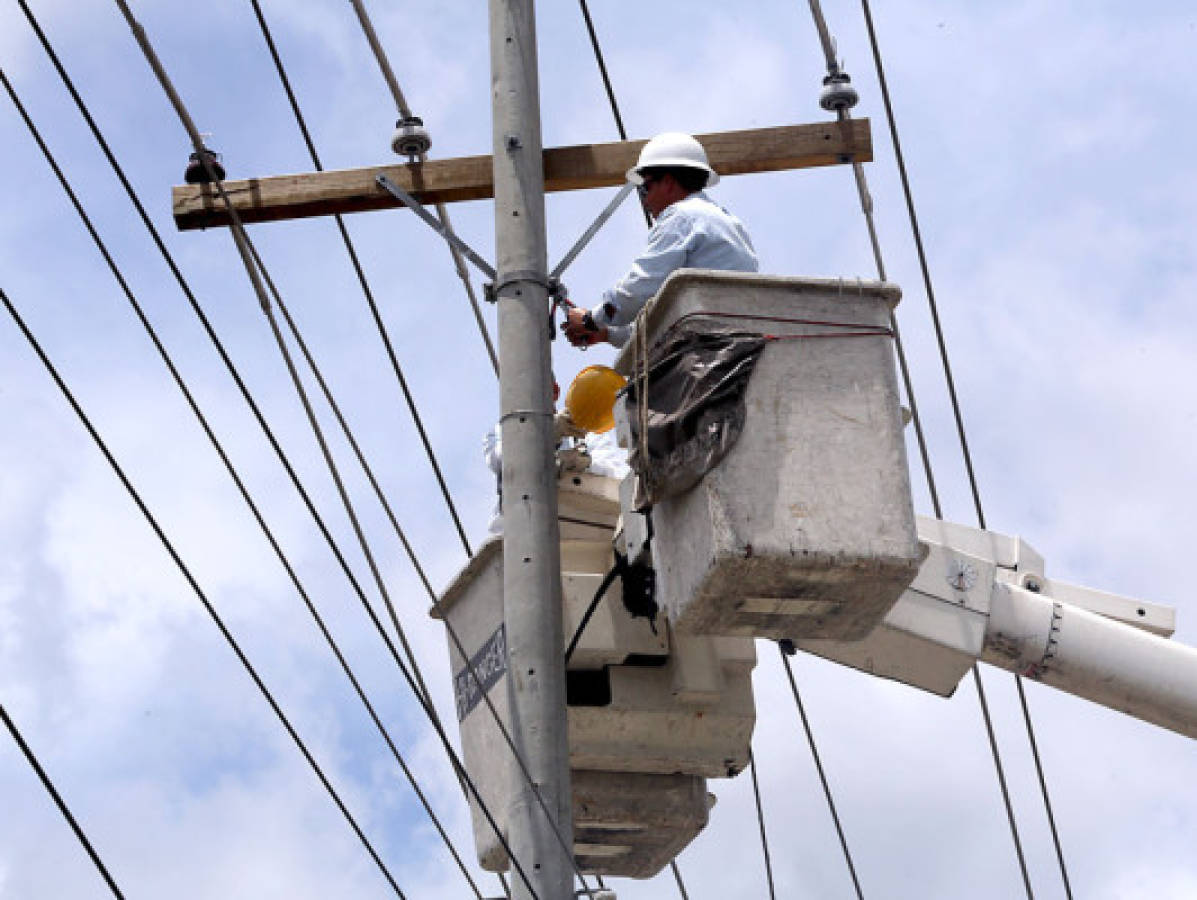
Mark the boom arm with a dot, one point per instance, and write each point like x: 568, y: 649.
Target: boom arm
x: 983, y: 595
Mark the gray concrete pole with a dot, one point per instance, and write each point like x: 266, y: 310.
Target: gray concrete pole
x: 531, y: 548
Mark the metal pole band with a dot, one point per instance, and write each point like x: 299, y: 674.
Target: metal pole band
x: 520, y: 276
x: 525, y: 412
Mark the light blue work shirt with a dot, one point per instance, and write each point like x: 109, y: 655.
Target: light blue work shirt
x: 693, y: 233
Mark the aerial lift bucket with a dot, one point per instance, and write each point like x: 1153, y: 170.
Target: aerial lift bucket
x: 650, y: 717
x: 805, y: 527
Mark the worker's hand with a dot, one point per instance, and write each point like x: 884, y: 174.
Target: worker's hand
x: 580, y: 331
x: 564, y: 426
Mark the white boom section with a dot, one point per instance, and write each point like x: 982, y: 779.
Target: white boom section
x: 1093, y: 657
x: 983, y: 595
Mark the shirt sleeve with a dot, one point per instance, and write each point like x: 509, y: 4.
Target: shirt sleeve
x: 668, y: 246
x: 618, y: 334
x: 492, y: 451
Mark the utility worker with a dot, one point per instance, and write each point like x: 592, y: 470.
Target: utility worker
x: 689, y: 231
x: 585, y: 433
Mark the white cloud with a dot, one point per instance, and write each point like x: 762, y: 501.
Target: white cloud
x: 1058, y: 217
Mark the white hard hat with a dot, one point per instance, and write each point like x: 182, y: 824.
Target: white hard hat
x: 673, y: 148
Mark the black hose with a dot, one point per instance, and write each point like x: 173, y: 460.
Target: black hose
x: 621, y: 563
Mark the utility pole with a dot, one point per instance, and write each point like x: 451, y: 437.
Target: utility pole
x: 531, y: 548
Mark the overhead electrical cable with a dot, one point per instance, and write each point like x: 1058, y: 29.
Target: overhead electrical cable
x: 53, y: 792
x: 411, y: 553
x: 367, y: 291
x: 366, y: 468
x: 287, y: 465
x: 442, y: 213
x: 405, y: 111
x: 677, y: 877
x: 1047, y: 803
x: 199, y: 592
x: 198, y: 309
x: 760, y: 820
x: 334, y: 471
x: 602, y: 65
x: 814, y: 752
x: 231, y: 469
x: 916, y: 231
x: 844, y: 115
x: 231, y: 367
x: 245, y: 249
x: 229, y: 364
x: 259, y: 278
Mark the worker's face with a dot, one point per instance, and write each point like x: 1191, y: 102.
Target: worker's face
x: 657, y: 192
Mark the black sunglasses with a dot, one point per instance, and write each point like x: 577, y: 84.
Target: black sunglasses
x: 646, y: 183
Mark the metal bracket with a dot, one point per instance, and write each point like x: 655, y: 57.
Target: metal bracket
x: 437, y: 225
x: 517, y: 276
x: 490, y: 290
x: 590, y: 232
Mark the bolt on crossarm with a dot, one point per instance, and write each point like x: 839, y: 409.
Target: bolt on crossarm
x: 531, y: 548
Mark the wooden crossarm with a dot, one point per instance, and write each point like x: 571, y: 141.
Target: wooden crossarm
x: 281, y: 197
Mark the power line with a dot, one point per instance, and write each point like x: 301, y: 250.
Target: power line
x: 50, y: 789
x: 908, y: 194
x: 248, y: 257
x: 366, y: 468
x: 844, y: 115
x: 214, y: 338
x: 404, y: 110
x: 260, y: 280
x: 677, y: 877
x: 228, y: 464
x: 1047, y: 803
x: 367, y: 291
x: 199, y: 592
x: 997, y: 761
x: 594, y: 41
x: 442, y: 213
x: 814, y: 752
x: 198, y: 309
x: 334, y: 471
x: 760, y: 819
x: 602, y: 65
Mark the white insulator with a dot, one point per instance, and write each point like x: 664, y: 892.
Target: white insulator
x: 838, y: 92
x: 411, y: 138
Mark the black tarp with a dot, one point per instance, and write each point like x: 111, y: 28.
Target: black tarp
x: 697, y: 378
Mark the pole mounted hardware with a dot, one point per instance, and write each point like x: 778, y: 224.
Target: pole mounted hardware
x: 838, y: 93
x: 276, y: 198
x: 439, y: 227
x: 556, y: 289
x: 203, y: 167
x: 411, y: 138
x: 590, y: 232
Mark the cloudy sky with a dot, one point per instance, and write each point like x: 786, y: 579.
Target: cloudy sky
x: 1050, y: 155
